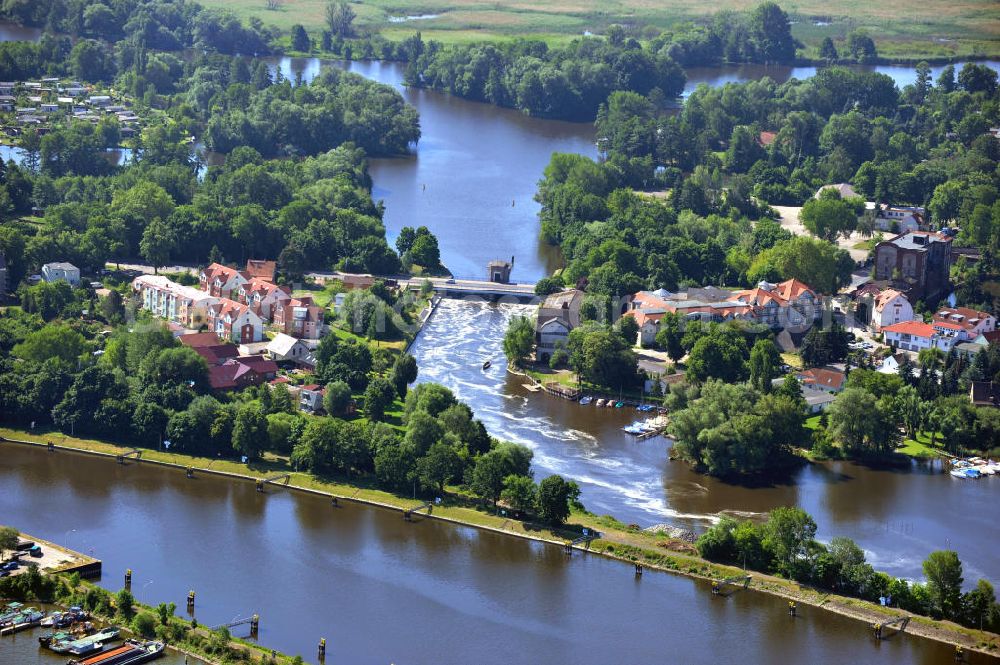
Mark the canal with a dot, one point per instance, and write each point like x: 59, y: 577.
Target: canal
x: 382, y: 590
x: 897, y: 515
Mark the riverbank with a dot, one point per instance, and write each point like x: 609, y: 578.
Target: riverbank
x: 617, y: 541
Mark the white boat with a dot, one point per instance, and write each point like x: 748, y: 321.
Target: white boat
x: 965, y: 474
x: 586, y: 400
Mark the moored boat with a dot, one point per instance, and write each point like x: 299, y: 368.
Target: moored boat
x: 132, y: 652
x: 586, y: 400
x: 85, y: 644
x: 58, y: 636
x: 600, y: 402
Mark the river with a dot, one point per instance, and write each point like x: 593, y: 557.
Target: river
x: 381, y: 590
x: 897, y: 515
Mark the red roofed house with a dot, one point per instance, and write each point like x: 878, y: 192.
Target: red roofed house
x: 263, y: 298
x: 917, y: 335
x: 235, y: 321
x: 969, y: 321
x: 822, y: 378
x: 221, y: 281
x: 210, y: 347
x: 238, y: 373
x: 788, y: 304
x: 259, y: 269
x: 890, y: 307
x: 299, y: 317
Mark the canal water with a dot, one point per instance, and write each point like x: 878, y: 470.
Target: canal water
x: 898, y: 516
x: 381, y: 590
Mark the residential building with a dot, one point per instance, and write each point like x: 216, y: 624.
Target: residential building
x: 972, y: 323
x: 917, y: 263
x: 916, y: 335
x: 221, y: 281
x: 287, y: 348
x: 985, y: 393
x: 300, y: 317
x: 898, y: 219
x: 845, y: 190
x: 558, y: 314
x: 239, y: 373
x: 824, y: 379
x: 889, y: 307
x: 52, y: 272
x: 311, y: 398
x: 260, y: 269
x: 208, y: 345
x: 235, y: 321
x: 264, y: 298
x: 788, y: 304
x: 175, y: 302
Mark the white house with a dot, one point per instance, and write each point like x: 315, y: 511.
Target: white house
x: 286, y: 347
x: 898, y: 219
x: 235, y: 322
x: 890, y: 307
x: 61, y: 270
x: 175, y: 302
x: 972, y: 323
x: 550, y: 335
x: 916, y: 335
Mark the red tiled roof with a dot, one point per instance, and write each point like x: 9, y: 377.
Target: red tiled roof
x: 885, y: 297
x: 821, y: 376
x: 261, y: 269
x: 915, y: 328
x: 968, y: 319
x: 259, y: 364
x: 792, y: 289
x: 947, y: 325
x: 219, y: 270
x: 198, y: 340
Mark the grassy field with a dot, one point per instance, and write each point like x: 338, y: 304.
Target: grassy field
x: 902, y: 28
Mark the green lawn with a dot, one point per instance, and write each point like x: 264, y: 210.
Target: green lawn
x: 902, y: 28
x: 920, y: 447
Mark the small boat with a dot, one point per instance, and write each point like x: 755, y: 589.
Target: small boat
x: 85, y: 644
x: 51, y: 620
x: 48, y: 638
x: 619, y: 405
x: 487, y: 364
x: 600, y: 402
x: 966, y: 473
x: 27, y: 620
x: 586, y: 400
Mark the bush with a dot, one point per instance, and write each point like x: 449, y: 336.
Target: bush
x: 144, y: 623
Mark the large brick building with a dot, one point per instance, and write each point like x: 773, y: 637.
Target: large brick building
x: 917, y: 263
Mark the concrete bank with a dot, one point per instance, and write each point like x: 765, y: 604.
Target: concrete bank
x: 628, y: 552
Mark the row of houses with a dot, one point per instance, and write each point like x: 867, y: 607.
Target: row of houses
x: 234, y: 305
x: 960, y: 328
x: 786, y: 305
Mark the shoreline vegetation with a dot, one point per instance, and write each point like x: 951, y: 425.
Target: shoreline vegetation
x: 616, y: 541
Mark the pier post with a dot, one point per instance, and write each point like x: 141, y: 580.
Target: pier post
x: 260, y: 485
x: 322, y: 649
x: 638, y: 570
x: 189, y: 472
x: 254, y: 625
x: 128, y: 579
x: 877, y: 631
x: 51, y: 446
x: 333, y: 502
x: 959, y: 653
x: 791, y: 608
x: 121, y: 459
x: 190, y: 601
x: 715, y: 588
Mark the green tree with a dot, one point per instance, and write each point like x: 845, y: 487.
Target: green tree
x: 157, y: 243
x: 861, y: 47
x: 340, y: 19
x: 125, y: 604
x: 492, y: 468
x: 249, y: 435
x: 827, y: 50
x: 8, y: 539
x: 787, y: 536
x: 943, y: 570
x: 520, y: 493
x: 519, y: 339
x: 337, y: 398
x: 300, y: 40
x: 764, y: 363
x: 554, y: 495
x: 440, y: 465
x: 404, y: 372
x: 144, y: 623
x: 669, y: 336
x: 395, y: 464
x: 721, y: 354
x: 379, y: 396
x: 53, y: 341
x: 827, y: 218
